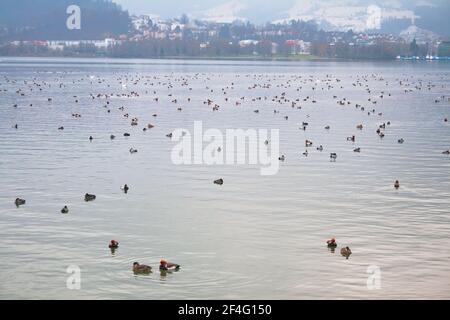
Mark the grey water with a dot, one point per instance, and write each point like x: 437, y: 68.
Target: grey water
x: 254, y: 237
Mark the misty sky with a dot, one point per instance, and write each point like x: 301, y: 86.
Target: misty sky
x: 261, y: 11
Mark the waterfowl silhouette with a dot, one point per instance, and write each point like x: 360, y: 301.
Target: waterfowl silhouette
x: 133, y: 150
x: 167, y: 266
x: 125, y: 188
x: 346, y: 252
x: 112, y: 137
x: 333, y: 156
x: 90, y: 138
x: 219, y: 181
x: 282, y: 158
x: 65, y: 210
x: 19, y: 202
x: 357, y: 150
x: 89, y: 197
x: 332, y: 243
x: 141, y: 268
x: 126, y: 134
x: 396, y: 184
x: 113, y: 244
x: 446, y: 152
x: 401, y: 140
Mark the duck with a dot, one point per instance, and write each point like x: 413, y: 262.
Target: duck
x: 359, y: 127
x: 320, y: 148
x: 357, y: 150
x: 333, y: 156
x: 308, y: 143
x: 19, y: 202
x: 133, y: 150
x: 401, y: 140
x: 346, y: 252
x: 141, y: 268
x: 396, y: 184
x: 445, y: 120
x: 126, y: 134
x: 446, y: 152
x: 219, y: 181
x: 125, y: 188
x: 167, y: 266
x: 352, y: 138
x: 327, y: 127
x: 65, y: 210
x: 169, y: 135
x: 332, y: 243
x: 113, y: 244
x: 305, y: 153
x: 112, y: 137
x: 282, y: 158
x: 61, y: 128
x: 91, y: 138
x: 89, y: 197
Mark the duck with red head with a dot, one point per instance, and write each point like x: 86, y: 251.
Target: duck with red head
x: 113, y: 244
x: 332, y: 243
x: 164, y: 265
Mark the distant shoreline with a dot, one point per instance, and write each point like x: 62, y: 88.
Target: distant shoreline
x: 306, y: 58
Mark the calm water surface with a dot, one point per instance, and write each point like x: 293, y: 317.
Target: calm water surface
x: 256, y: 236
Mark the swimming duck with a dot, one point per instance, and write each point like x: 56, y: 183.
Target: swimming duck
x: 19, y: 202
x: 445, y: 120
x: 113, y: 244
x: 169, y: 135
x: 446, y: 152
x: 126, y: 134
x: 401, y: 140
x: 346, y: 252
x: 141, y: 268
x: 65, y: 210
x: 359, y: 127
x: 219, y: 181
x: 112, y: 137
x: 61, y: 128
x: 125, y: 188
x: 167, y: 266
x: 133, y: 150
x: 327, y: 127
x: 308, y: 143
x: 305, y: 153
x: 357, y: 150
x: 320, y: 148
x: 333, y: 156
x: 396, y: 184
x: 282, y: 158
x: 332, y: 243
x: 352, y: 138
x: 90, y: 138
x: 89, y: 197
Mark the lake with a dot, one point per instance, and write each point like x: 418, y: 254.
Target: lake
x: 254, y: 237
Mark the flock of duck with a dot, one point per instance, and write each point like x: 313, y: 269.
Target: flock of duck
x: 217, y: 99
